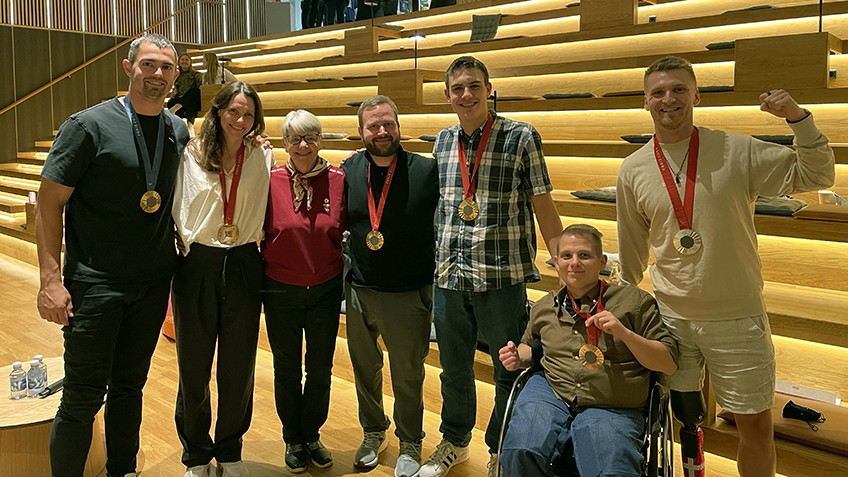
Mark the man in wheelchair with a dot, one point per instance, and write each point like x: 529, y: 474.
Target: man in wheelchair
x: 600, y: 343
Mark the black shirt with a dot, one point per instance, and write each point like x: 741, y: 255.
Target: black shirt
x: 108, y: 237
x: 407, y: 259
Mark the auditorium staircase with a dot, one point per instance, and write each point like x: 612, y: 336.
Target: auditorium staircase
x: 601, y: 47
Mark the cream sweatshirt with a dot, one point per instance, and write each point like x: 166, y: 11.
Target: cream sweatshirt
x: 724, y: 279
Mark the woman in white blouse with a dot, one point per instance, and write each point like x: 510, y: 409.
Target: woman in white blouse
x: 219, y: 209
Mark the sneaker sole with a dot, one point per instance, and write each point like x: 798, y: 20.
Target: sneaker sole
x: 370, y: 465
x: 323, y: 466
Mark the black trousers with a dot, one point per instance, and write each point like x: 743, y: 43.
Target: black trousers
x: 108, y: 346
x: 191, y: 104
x: 216, y: 300
x: 290, y: 312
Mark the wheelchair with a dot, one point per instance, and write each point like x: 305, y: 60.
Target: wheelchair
x: 657, y: 448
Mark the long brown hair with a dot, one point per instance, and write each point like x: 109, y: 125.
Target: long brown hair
x: 209, y: 143
x: 212, y: 67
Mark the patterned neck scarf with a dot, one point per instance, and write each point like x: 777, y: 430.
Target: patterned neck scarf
x: 302, y: 184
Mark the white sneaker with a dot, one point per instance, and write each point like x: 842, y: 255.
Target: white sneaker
x: 233, y: 469
x: 197, y: 471
x: 442, y: 459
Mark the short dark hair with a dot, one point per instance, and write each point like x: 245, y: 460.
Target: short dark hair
x: 154, y: 39
x: 670, y: 63
x: 587, y: 232
x: 466, y: 63
x: 375, y: 101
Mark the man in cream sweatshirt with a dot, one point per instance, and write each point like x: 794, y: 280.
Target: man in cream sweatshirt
x: 688, y: 196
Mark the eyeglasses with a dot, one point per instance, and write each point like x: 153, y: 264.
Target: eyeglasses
x: 309, y: 138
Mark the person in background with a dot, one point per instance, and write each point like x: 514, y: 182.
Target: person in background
x: 219, y: 210
x: 302, y: 287
x: 215, y: 72
x: 185, y: 98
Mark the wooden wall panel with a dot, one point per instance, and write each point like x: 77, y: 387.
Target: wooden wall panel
x: 99, y: 17
x: 68, y: 94
x: 34, y: 117
x: 100, y: 75
x: 257, y: 18
x: 130, y: 15
x: 8, y: 144
x: 185, y: 23
x: 5, y: 13
x: 31, y: 71
x: 236, y: 19
x: 158, y: 10
x: 211, y: 22
x: 31, y: 13
x: 120, y: 56
x: 66, y: 15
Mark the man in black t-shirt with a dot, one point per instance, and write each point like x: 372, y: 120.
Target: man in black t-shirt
x: 391, y: 201
x: 112, y: 170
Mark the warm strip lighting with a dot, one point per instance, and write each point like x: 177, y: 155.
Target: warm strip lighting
x: 329, y: 49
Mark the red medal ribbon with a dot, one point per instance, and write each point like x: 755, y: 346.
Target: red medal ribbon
x: 377, y: 213
x: 469, y: 184
x: 230, y: 204
x: 682, y: 210
x: 592, y: 331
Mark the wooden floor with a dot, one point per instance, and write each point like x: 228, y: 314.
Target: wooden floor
x: 24, y: 334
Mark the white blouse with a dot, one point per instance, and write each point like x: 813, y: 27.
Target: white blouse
x: 199, y: 205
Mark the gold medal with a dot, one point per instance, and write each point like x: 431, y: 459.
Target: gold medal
x: 687, y: 242
x: 374, y: 240
x: 150, y: 201
x: 228, y: 234
x: 592, y: 356
x: 468, y: 210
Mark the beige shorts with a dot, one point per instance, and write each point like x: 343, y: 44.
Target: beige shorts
x: 739, y: 354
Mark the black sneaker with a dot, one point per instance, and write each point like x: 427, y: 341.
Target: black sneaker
x: 321, y: 457
x: 296, y: 457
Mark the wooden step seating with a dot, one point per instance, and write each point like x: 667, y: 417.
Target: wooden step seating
x: 688, y: 34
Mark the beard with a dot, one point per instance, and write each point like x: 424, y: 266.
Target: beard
x: 389, y: 150
x: 153, y: 93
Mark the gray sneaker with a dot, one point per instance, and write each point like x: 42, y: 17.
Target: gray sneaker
x: 368, y: 454
x: 409, y: 459
x: 493, y: 465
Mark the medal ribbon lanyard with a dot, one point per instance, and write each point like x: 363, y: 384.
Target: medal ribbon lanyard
x: 682, y: 210
x: 374, y: 212
x: 593, y: 332
x: 470, y: 183
x: 230, y: 204
x: 151, y: 171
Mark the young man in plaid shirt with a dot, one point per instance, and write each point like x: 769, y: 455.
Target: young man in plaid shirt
x: 492, y: 178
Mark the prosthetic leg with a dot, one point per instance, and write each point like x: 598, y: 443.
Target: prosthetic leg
x: 689, y: 408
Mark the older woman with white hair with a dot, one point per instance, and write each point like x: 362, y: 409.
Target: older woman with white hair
x: 302, y: 288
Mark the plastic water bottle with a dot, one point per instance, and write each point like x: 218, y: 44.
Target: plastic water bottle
x: 36, y: 379
x: 18, y: 381
x: 43, y: 366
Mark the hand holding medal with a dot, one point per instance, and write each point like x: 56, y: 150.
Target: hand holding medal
x: 590, y: 354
